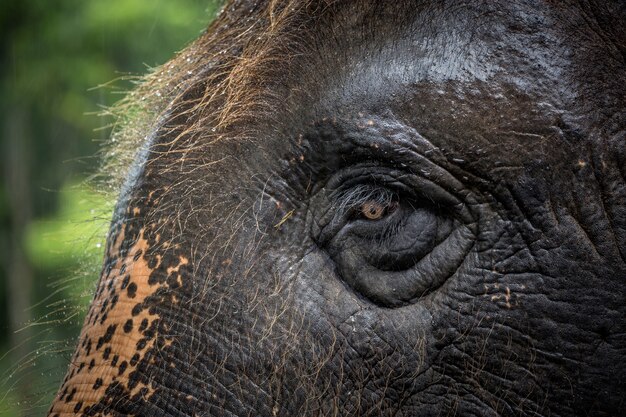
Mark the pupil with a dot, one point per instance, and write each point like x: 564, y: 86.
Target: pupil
x: 372, y: 210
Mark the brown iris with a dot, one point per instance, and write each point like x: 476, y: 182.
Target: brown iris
x: 374, y: 210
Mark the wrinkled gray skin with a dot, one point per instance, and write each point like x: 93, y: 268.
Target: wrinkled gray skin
x: 494, y: 282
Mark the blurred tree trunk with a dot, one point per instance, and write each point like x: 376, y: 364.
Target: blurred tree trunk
x: 19, y: 274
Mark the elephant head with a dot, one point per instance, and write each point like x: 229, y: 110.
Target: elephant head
x: 368, y: 208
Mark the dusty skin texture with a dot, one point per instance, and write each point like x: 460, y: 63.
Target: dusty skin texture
x: 365, y: 208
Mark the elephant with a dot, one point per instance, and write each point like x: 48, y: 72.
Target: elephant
x: 368, y: 208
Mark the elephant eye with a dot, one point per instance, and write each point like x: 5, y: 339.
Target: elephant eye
x: 375, y: 210
x: 368, y: 202
x: 392, y: 240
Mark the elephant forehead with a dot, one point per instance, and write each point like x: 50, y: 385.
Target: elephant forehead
x: 121, y: 330
x: 467, y: 84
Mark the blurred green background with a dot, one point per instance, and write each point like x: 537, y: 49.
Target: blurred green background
x: 62, y: 63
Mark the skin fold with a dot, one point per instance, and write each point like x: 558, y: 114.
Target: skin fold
x: 371, y: 209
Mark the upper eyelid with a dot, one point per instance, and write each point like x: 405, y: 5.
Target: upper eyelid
x: 362, y: 193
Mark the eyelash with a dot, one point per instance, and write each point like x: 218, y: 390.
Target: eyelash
x: 355, y: 200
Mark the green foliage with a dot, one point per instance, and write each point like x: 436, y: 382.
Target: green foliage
x: 63, y: 56
x: 74, y: 235
x: 63, y: 62
x: 65, y: 250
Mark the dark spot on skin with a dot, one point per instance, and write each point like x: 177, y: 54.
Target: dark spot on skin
x: 69, y: 397
x: 78, y: 406
x: 143, y: 325
x: 92, y: 364
x: 127, y: 244
x: 152, y: 279
x: 109, y: 332
x: 125, y: 282
x: 88, y: 349
x: 63, y: 394
x: 97, y: 384
x: 106, y: 353
x: 80, y: 368
x: 103, y: 318
x: 128, y: 326
x: 132, y: 290
x: 108, y: 269
x: 133, y: 379
x: 137, y: 309
x: 114, y: 300
x: 134, y: 359
x: 123, y: 367
x: 137, y: 255
x: 141, y: 344
x: 110, y: 285
x: 123, y: 269
x: 100, y: 343
x: 150, y: 332
x: 115, y: 359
